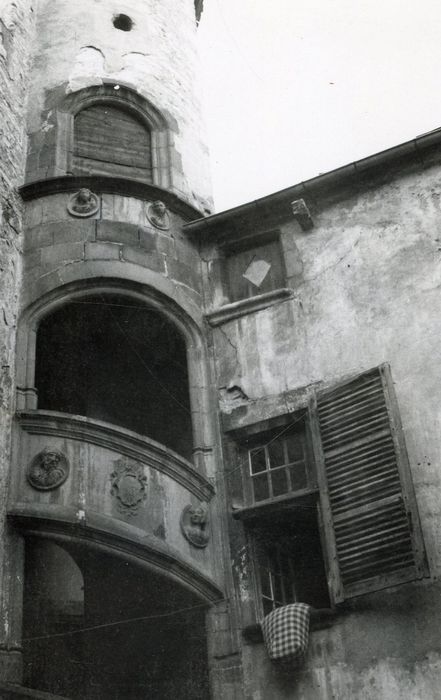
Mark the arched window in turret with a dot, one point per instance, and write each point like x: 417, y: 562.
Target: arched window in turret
x: 111, y: 358
x: 110, y: 140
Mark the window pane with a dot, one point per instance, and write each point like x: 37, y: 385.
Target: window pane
x: 267, y: 606
x: 260, y: 487
x: 278, y: 590
x: 276, y: 453
x: 295, y: 448
x: 298, y: 477
x: 289, y: 590
x: 265, y: 582
x: 279, y: 482
x: 257, y: 460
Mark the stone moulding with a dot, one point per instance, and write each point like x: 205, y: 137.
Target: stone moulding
x: 121, y: 441
x: 113, y: 537
x: 247, y: 306
x: 109, y: 185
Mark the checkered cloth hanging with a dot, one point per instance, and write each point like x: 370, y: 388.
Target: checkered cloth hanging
x: 286, y: 631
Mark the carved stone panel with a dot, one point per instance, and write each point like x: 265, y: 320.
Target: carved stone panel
x: 128, y: 485
x: 83, y: 203
x: 48, y: 470
x: 195, y: 525
x: 158, y: 216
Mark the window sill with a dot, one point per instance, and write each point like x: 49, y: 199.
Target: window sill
x: 289, y: 501
x: 247, y: 306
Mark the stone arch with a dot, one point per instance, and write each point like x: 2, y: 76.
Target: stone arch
x: 55, y: 298
x: 119, y: 97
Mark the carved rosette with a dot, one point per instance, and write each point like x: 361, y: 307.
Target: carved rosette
x: 195, y: 525
x: 48, y: 470
x: 128, y: 485
x: 83, y: 203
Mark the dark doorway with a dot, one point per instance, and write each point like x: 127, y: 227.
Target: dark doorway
x: 111, y: 358
x: 133, y: 635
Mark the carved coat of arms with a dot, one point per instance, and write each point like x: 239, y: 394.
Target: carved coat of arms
x: 128, y: 485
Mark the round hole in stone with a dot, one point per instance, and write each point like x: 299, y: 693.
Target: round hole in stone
x: 123, y: 22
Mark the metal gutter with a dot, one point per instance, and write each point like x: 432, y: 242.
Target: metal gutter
x: 413, y: 150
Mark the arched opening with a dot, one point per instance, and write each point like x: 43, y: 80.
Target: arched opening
x: 111, y: 140
x: 98, y: 627
x: 109, y: 357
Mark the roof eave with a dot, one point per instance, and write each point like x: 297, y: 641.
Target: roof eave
x: 410, y: 151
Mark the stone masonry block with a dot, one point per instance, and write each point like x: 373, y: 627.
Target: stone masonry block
x: 140, y: 257
x: 32, y: 259
x: 102, y: 251
x: 118, y: 232
x: 62, y: 252
x: 180, y: 272
x: 55, y: 208
x: 60, y: 232
x: 78, y: 231
x: 186, y: 254
x: 38, y: 237
x: 33, y: 215
x: 148, y: 239
x: 166, y: 245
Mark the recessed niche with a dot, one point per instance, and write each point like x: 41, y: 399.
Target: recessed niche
x: 123, y: 22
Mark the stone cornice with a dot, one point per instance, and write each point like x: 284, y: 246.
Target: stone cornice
x: 109, y: 185
x: 114, y: 537
x: 236, y: 309
x: 112, y: 437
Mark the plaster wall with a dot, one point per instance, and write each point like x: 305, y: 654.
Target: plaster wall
x: 365, y: 283
x: 78, y: 47
x: 16, y: 32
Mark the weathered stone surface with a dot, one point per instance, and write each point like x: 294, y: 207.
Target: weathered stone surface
x: 118, y: 232
x: 62, y: 252
x: 75, y: 56
x: 140, y: 257
x: 102, y: 251
x: 16, y: 36
x: 365, y: 285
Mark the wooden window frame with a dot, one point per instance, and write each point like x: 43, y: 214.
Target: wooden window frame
x: 120, y: 160
x: 300, y: 425
x: 339, y: 590
x: 126, y: 99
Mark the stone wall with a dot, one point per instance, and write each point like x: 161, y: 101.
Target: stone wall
x: 16, y: 27
x: 78, y: 47
x: 118, y: 241
x: 365, y: 291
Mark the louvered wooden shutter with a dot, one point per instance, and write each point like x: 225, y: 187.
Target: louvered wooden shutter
x: 370, y: 521
x: 111, y: 141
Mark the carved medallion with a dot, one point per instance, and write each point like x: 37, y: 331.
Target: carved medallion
x: 195, y: 525
x: 158, y: 216
x: 128, y: 485
x: 83, y: 203
x: 48, y: 470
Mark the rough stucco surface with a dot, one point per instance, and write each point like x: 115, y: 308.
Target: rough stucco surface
x: 78, y: 47
x: 366, y: 291
x: 15, y: 36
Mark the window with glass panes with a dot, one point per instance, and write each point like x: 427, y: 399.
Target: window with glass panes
x: 276, y: 576
x: 278, y: 467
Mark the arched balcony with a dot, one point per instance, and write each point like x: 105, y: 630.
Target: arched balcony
x: 114, y: 404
